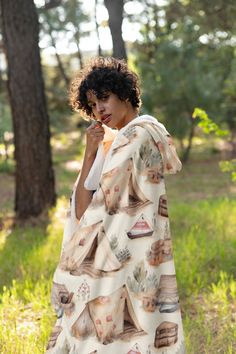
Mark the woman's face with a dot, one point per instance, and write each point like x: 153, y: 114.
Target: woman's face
x: 110, y: 110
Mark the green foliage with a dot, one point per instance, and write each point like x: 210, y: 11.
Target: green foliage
x: 207, y: 123
x: 7, y: 166
x: 5, y: 116
x: 229, y: 166
x: 179, y: 77
x: 186, y: 62
x: 208, y: 127
x: 56, y: 91
x: 6, y: 136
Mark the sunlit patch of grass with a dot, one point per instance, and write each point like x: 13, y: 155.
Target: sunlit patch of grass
x: 39, y: 246
x: 204, y: 242
x: 200, y: 180
x: 211, y: 326
x: 26, y: 315
x: 205, y: 252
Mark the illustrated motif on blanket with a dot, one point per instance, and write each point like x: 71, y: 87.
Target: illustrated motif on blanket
x: 161, y: 250
x: 153, y: 293
x: 122, y: 254
x: 150, y: 161
x: 162, y: 209
x: 166, y: 334
x: 53, y: 338
x: 92, y: 255
x: 62, y: 300
x: 135, y: 349
x: 83, y: 293
x: 109, y: 317
x: 125, y: 139
x: 141, y: 228
x: 117, y: 185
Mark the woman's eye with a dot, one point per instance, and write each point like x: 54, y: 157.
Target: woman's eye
x: 104, y: 98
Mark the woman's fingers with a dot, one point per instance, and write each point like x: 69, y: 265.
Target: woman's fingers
x: 94, y: 134
x: 95, y: 129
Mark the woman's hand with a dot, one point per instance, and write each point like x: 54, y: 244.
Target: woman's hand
x: 94, y: 135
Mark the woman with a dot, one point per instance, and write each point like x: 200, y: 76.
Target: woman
x: 115, y: 289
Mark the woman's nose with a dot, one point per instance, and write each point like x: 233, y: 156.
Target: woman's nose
x: 100, y: 107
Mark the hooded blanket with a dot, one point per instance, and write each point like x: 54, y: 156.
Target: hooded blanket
x: 115, y: 289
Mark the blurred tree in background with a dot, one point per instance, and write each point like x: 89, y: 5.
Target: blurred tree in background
x: 61, y: 21
x: 115, y: 10
x: 185, y: 61
x: 34, y: 176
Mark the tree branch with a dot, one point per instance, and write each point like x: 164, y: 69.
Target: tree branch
x: 50, y: 4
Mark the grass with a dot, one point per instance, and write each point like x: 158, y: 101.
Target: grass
x: 205, y: 251
x: 202, y: 210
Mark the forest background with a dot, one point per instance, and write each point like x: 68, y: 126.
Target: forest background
x: 185, y: 54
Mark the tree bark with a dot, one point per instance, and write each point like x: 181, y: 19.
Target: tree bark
x: 51, y: 4
x: 59, y: 62
x: 80, y: 57
x: 115, y: 11
x: 97, y: 30
x: 1, y: 78
x: 34, y: 175
x: 190, y: 139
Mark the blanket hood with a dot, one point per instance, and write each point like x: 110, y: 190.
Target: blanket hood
x: 163, y: 140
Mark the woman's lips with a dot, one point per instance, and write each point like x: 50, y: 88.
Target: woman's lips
x: 106, y: 118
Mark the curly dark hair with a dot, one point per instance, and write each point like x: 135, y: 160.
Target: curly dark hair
x: 104, y: 75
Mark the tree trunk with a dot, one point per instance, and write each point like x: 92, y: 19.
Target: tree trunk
x: 34, y: 175
x: 190, y: 139
x: 59, y: 62
x: 97, y: 30
x: 1, y: 52
x: 1, y: 79
x: 115, y: 11
x: 80, y: 57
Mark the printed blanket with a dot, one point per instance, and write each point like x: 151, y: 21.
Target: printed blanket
x: 115, y: 289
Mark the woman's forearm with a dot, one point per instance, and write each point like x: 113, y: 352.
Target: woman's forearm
x: 83, y: 196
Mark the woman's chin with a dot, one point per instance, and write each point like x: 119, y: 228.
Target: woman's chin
x: 110, y: 124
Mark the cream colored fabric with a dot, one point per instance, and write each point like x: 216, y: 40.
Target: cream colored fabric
x: 94, y: 175
x: 115, y: 288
